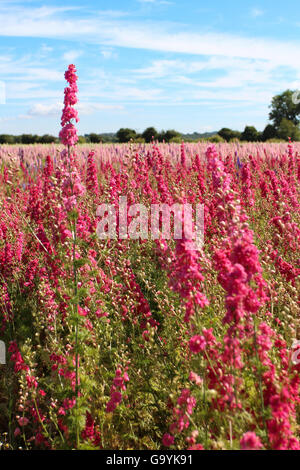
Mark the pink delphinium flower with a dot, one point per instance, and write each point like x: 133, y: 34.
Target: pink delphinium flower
x: 91, y: 174
x: 197, y: 343
x: 182, y: 411
x: 250, y: 441
x: 116, y: 389
x: 167, y: 440
x: 23, y: 421
x: 68, y: 133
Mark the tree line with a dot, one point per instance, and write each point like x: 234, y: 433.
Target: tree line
x: 284, y: 123
x: 284, y: 116
x: 123, y: 135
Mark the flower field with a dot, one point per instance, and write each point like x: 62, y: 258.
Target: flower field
x: 144, y: 343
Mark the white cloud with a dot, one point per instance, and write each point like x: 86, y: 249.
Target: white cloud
x: 158, y: 2
x: 121, y: 93
x: 14, y: 118
x: 221, y: 73
x: 106, y: 29
x: 108, y: 53
x: 71, y: 56
x: 45, y: 110
x: 256, y: 12
x: 214, y: 70
x: 53, y: 109
x: 45, y: 49
x: 27, y: 68
x: 90, y: 108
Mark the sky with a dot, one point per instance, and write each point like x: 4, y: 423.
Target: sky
x: 191, y: 65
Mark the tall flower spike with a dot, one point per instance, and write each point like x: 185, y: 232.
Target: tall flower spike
x: 68, y: 133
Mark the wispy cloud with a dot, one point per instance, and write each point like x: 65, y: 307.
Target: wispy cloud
x: 157, y: 2
x: 221, y: 73
x: 108, y: 53
x: 45, y: 49
x: 71, y: 56
x: 158, y: 36
x: 156, y: 62
x: 40, y: 109
x: 256, y: 12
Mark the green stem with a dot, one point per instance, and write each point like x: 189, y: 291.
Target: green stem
x: 260, y: 382
x: 76, y: 334
x: 75, y: 290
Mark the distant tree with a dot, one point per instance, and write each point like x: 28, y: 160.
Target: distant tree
x: 124, y: 135
x: 288, y: 129
x: 149, y: 134
x: 7, y: 139
x: 94, y: 138
x: 250, y: 134
x: 269, y: 132
x: 46, y: 139
x: 81, y: 139
x: 228, y: 134
x: 283, y: 107
x: 216, y: 138
x: 109, y: 137
x: 139, y: 139
x: 29, y: 139
x: 176, y: 140
x: 168, y: 135
x: 171, y: 134
x: 104, y: 139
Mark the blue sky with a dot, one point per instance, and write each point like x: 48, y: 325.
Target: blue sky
x: 189, y: 65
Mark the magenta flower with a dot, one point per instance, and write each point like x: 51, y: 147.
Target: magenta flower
x: 68, y: 133
x: 197, y: 343
x: 23, y: 421
x: 167, y: 440
x: 250, y: 441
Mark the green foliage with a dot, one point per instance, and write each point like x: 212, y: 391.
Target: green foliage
x: 268, y: 133
x: 176, y: 140
x: 125, y: 135
x: 229, y: 134
x: 149, y: 134
x: 283, y: 107
x: 166, y: 136
x: 134, y: 275
x: 216, y: 139
x: 94, y: 138
x: 288, y: 129
x: 27, y: 139
x: 7, y: 139
x: 250, y: 134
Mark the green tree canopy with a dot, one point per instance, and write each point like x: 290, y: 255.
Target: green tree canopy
x: 250, y: 134
x: 29, y: 139
x: 81, y: 139
x: 228, y: 134
x: 168, y: 135
x: 46, y: 139
x: 7, y: 139
x: 216, y: 139
x: 94, y: 138
x: 283, y: 106
x: 288, y: 129
x: 125, y: 134
x: 150, y: 133
x: 269, y: 132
